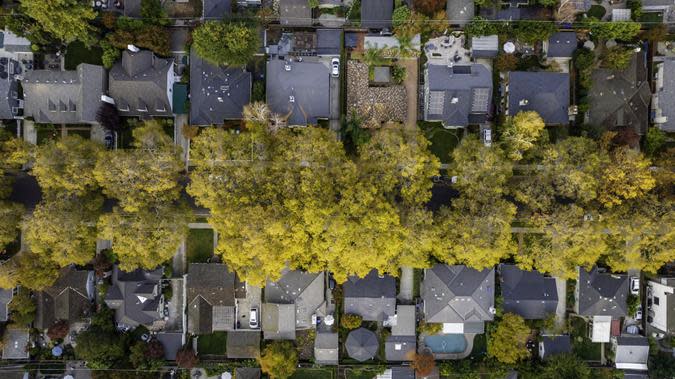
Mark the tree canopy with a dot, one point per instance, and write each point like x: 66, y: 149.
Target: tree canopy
x: 65, y: 20
x: 507, y: 342
x: 520, y: 132
x: 279, y: 359
x: 225, y: 42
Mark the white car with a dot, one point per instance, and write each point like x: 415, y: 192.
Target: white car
x: 253, y: 318
x: 634, y: 285
x: 335, y: 67
x: 487, y: 137
x: 638, y: 313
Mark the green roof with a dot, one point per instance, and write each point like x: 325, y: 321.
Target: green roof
x: 180, y: 98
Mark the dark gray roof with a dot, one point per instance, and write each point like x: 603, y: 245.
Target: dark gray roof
x: 135, y: 297
x: 172, y: 342
x: 527, y: 293
x: 562, y: 44
x: 15, y: 344
x: 141, y: 81
x: 132, y: 8
x: 657, y: 3
x: 547, y: 93
x: 328, y: 41
x: 9, y: 91
x: 460, y: 12
x: 399, y: 348
x: 210, y: 298
x: 372, y: 297
x: 6, y: 296
x: 458, y: 294
x: 326, y: 348
x: 217, y: 93
x: 400, y: 372
x: 621, y: 98
x: 602, y: 294
x: 458, y: 95
x: 278, y: 321
x: 216, y: 9
x: 69, y: 298
x: 179, y: 39
x: 376, y: 14
x: 362, y: 344
x: 295, y: 13
x: 305, y: 290
x: 553, y: 345
x: 405, y: 321
x: 64, y: 97
x: 243, y: 344
x: 308, y: 84
x: 247, y: 373
x: 666, y: 95
x: 485, y: 46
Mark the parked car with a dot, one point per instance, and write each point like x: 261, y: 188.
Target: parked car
x: 634, y: 285
x: 638, y: 313
x: 487, y: 137
x: 335, y: 67
x: 253, y: 318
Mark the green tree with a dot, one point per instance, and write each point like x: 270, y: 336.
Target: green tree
x: 350, y: 321
x: 507, y: 342
x: 520, y: 132
x: 565, y: 366
x: 151, y: 11
x: 654, y: 140
x: 111, y: 54
x: 531, y: 31
x: 231, y: 43
x: 621, y: 30
x: 101, y: 349
x: 144, y: 176
x: 10, y: 217
x: 480, y: 27
x: 22, y: 308
x: 400, y: 16
x: 625, y: 176
x: 66, y: 20
x: 67, y: 165
x: 62, y: 229
x: 28, y: 270
x: 147, y: 355
x: 279, y: 360
x: 617, y: 58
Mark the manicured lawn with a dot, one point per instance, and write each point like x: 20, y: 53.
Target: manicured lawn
x: 581, y: 344
x: 214, y: 343
x: 596, y: 11
x: 443, y: 141
x: 77, y: 53
x: 362, y: 373
x: 314, y: 373
x: 199, y: 245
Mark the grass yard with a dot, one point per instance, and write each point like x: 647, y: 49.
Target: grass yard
x: 651, y: 19
x: 199, y: 245
x: 581, y: 344
x: 213, y: 344
x: 443, y: 141
x: 363, y: 373
x: 597, y: 11
x: 314, y: 373
x: 77, y: 53
x: 479, y: 346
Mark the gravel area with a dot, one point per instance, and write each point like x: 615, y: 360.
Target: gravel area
x: 374, y: 105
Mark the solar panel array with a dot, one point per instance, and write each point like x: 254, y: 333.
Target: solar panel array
x: 436, y: 102
x: 479, y: 99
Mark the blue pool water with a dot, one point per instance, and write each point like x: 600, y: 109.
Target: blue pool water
x: 446, y: 343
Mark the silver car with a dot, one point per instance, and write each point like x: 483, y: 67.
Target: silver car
x: 335, y: 67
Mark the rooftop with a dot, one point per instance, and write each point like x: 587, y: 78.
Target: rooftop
x: 562, y: 45
x: 376, y: 14
x: 527, y: 293
x: 372, y: 297
x: 602, y: 294
x: 547, y: 93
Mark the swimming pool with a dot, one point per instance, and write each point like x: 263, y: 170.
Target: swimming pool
x: 446, y: 343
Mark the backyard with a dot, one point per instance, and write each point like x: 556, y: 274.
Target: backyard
x: 77, y: 53
x: 363, y: 372
x: 314, y: 373
x: 212, y: 344
x: 443, y: 141
x: 199, y: 245
x: 581, y: 344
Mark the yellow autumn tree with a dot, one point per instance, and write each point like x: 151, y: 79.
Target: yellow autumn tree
x: 625, y: 176
x: 520, y: 132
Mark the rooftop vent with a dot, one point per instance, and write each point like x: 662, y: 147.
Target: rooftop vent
x: 133, y: 48
x: 523, y: 102
x: 454, y: 100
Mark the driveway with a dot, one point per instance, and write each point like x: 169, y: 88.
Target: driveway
x: 561, y: 287
x: 406, y: 285
x: 411, y: 81
x: 253, y: 300
x: 334, y: 121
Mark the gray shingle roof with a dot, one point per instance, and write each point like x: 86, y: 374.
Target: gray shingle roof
x: 216, y: 9
x: 243, y: 344
x: 247, y: 373
x: 405, y: 321
x: 527, y: 293
x: 6, y: 296
x: 602, y: 294
x: 361, y: 344
x: 307, y: 83
x: 328, y: 41
x: 15, y: 344
x: 305, y: 290
x: 9, y: 97
x: 376, y: 14
x: 372, y: 297
x: 547, y: 93
x: 210, y: 298
x: 562, y: 45
x: 621, y: 98
x: 135, y: 296
x: 666, y: 95
x: 64, y: 97
x: 69, y: 298
x: 142, y: 81
x: 459, y: 95
x: 460, y: 12
x: 278, y: 321
x: 172, y: 342
x: 326, y: 348
x: 553, y: 345
x: 14, y: 43
x: 295, y: 13
x: 399, y: 348
x: 458, y: 294
x: 400, y: 372
x: 485, y: 46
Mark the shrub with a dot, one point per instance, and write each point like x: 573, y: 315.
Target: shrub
x: 351, y: 321
x: 633, y: 302
x: 400, y: 16
x: 398, y: 74
x: 654, y: 140
x: 186, y: 358
x: 429, y: 328
x: 617, y: 58
x: 58, y: 330
x: 506, y: 62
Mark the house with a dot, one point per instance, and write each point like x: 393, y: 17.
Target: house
x: 560, y: 45
x: 295, y: 13
x: 621, y: 98
x: 397, y: 372
x: 457, y: 96
x: 217, y: 93
x: 243, y: 344
x: 326, y: 348
x: 293, y: 302
x: 16, y: 343
x: 299, y: 91
x: 69, y: 298
x: 402, y: 343
x: 142, y: 84
x: 656, y: 6
x: 13, y: 43
x: 362, y: 344
x: 485, y: 46
x: 321, y: 42
x: 372, y: 297
x: 216, y: 9
x: 554, y: 345
x: 210, y: 298
x: 6, y: 296
x: 661, y: 304
x: 136, y: 298
x: 460, y: 12
x: 663, y: 99
x: 172, y: 342
x: 64, y: 97
x: 527, y: 293
x: 601, y: 294
x: 459, y: 297
x: 547, y: 93
x: 376, y: 14
x: 631, y: 352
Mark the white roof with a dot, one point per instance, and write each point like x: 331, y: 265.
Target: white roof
x: 620, y: 14
x: 485, y: 43
x: 453, y: 328
x: 602, y: 326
